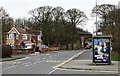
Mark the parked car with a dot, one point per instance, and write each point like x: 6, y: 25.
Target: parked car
x: 36, y: 49
x: 41, y: 48
x: 87, y: 47
x: 91, y: 46
x: 44, y: 46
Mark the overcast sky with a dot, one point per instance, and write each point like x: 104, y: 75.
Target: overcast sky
x: 20, y: 8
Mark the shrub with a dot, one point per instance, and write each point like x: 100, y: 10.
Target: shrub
x: 6, y: 51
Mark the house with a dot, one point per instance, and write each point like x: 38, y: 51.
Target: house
x: 16, y: 36
x: 37, y: 37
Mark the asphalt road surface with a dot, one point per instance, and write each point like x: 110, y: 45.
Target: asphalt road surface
x: 86, y: 55
x: 37, y: 64
x: 45, y: 63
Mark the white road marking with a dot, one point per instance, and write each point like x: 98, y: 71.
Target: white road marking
x: 5, y: 68
x: 47, y: 54
x: 11, y: 67
x: 21, y: 59
x: 52, y: 71
x: 34, y: 63
x: 38, y: 62
x: 26, y: 65
x: 65, y: 62
x: 69, y: 59
x: 14, y: 66
x: 44, y: 58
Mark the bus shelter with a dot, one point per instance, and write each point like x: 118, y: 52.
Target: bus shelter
x: 102, y: 49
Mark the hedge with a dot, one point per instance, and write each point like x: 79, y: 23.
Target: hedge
x: 6, y: 51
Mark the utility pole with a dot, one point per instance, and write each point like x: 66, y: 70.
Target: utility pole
x: 119, y: 5
x: 96, y: 18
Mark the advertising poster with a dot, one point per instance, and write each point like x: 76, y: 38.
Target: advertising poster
x: 101, y: 49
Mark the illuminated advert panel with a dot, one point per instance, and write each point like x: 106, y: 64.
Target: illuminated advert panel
x: 101, y: 49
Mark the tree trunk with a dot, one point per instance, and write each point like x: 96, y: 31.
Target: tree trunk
x: 59, y: 46
x: 48, y: 42
x: 72, y: 45
x: 66, y: 46
x: 57, y: 42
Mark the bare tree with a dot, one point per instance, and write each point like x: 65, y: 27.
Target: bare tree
x: 5, y: 22
x: 102, y: 11
x: 41, y: 15
x: 57, y: 26
x: 75, y: 17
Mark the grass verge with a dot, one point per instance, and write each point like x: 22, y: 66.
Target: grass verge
x: 115, y: 56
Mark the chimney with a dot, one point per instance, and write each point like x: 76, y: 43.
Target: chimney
x: 29, y: 30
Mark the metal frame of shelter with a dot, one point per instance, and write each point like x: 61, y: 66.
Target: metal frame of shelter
x: 102, y: 37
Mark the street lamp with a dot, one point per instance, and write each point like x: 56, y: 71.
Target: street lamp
x: 93, y: 29
x: 119, y: 5
x: 96, y: 18
x: 93, y: 26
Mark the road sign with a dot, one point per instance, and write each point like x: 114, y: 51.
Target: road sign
x: 101, y: 49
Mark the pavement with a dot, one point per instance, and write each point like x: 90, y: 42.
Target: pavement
x: 81, y: 63
x: 88, y: 65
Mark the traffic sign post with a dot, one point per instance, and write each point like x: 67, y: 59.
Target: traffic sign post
x: 101, y: 49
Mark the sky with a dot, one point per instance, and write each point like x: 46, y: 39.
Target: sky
x: 20, y: 8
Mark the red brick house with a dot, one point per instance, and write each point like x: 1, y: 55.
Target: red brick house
x: 18, y: 35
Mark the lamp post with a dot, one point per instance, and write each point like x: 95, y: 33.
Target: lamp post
x: 93, y: 29
x: 119, y: 5
x: 96, y: 18
x: 93, y: 26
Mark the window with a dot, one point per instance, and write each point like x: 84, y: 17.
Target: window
x: 17, y: 37
x: 12, y: 45
x: 24, y: 37
x: 39, y: 37
x: 30, y: 37
x: 10, y: 36
x: 7, y: 35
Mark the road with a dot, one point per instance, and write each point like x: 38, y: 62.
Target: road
x: 37, y: 64
x: 45, y: 64
x: 86, y: 55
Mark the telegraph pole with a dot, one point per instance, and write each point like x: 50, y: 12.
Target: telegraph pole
x: 119, y: 5
x: 96, y: 18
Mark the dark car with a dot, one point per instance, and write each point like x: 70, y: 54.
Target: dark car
x: 36, y: 49
x: 91, y: 46
x: 88, y: 47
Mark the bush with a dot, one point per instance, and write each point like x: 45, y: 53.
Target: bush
x: 6, y: 51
